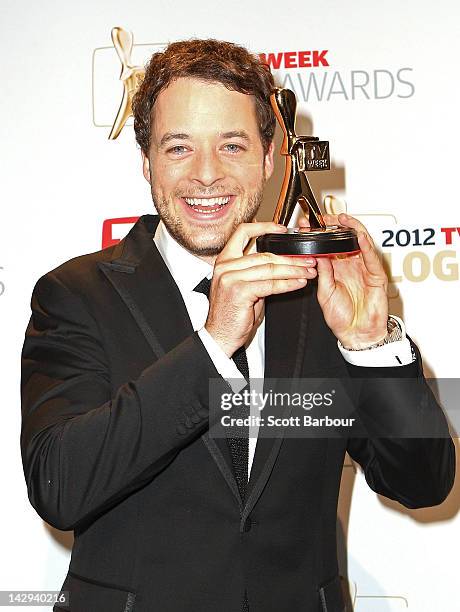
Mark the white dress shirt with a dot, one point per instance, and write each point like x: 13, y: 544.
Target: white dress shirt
x: 188, y: 270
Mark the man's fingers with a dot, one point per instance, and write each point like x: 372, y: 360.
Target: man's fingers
x: 331, y: 219
x: 328, y: 219
x: 349, y: 221
x: 340, y: 219
x: 244, y: 233
x: 371, y: 260
x: 304, y: 221
x: 258, y: 259
x: 326, y: 280
x: 237, y: 279
x: 271, y: 287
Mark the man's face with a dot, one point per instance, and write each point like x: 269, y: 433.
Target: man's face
x: 206, y: 164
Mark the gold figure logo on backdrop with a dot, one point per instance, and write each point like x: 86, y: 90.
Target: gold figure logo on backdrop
x: 131, y: 77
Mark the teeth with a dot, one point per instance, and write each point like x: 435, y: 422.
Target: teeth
x: 208, y: 201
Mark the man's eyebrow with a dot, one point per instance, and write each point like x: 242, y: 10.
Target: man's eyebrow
x: 236, y: 134
x: 173, y: 136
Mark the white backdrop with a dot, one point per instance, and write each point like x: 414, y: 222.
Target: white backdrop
x: 387, y: 101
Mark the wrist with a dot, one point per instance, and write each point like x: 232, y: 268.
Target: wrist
x: 227, y: 347
x: 393, y: 333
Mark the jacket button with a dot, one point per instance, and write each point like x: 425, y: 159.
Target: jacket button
x: 247, y: 525
x: 188, y: 423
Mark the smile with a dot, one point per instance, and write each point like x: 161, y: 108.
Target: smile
x: 207, y: 205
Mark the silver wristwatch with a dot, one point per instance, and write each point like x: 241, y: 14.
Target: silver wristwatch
x: 394, y: 333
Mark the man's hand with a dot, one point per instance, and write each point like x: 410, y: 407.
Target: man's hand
x: 352, y: 290
x: 241, y: 282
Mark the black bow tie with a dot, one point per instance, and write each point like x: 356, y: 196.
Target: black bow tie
x: 204, y: 287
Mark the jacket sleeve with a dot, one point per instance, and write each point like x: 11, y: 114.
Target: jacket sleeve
x: 407, y: 453
x: 83, y: 448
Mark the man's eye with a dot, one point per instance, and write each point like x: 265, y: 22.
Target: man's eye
x: 231, y: 147
x: 178, y: 150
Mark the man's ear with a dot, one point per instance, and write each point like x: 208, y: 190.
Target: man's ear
x: 268, y: 161
x: 146, y: 167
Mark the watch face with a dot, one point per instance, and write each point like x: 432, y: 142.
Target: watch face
x: 394, y: 331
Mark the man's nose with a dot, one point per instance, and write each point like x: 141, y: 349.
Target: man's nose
x: 207, y: 168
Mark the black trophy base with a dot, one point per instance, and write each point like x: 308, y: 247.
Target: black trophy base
x: 328, y: 242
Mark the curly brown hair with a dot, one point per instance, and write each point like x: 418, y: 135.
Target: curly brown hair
x: 208, y: 60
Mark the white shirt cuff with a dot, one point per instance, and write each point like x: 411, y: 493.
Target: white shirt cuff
x: 397, y: 353
x: 224, y: 365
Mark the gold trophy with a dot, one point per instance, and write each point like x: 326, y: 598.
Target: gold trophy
x: 303, y: 154
x: 131, y: 77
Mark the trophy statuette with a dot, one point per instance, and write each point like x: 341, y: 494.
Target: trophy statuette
x: 302, y: 154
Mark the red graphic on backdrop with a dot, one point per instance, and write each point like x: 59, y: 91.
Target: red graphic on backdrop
x: 295, y: 59
x: 449, y: 231
x: 108, y: 238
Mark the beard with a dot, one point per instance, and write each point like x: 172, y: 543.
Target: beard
x: 212, y: 238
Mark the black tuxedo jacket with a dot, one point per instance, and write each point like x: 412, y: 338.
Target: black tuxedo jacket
x: 115, y: 447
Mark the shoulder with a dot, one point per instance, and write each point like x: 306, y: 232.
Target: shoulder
x: 77, y: 274
x: 84, y: 272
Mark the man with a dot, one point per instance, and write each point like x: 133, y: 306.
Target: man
x: 115, y: 385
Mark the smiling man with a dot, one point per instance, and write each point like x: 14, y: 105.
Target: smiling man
x: 122, y: 345
x: 206, y: 178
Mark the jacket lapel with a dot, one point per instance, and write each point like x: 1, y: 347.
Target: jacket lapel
x: 139, y: 275
x: 286, y: 318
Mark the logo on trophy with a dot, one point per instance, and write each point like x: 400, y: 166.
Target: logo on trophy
x: 131, y: 76
x: 303, y: 154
